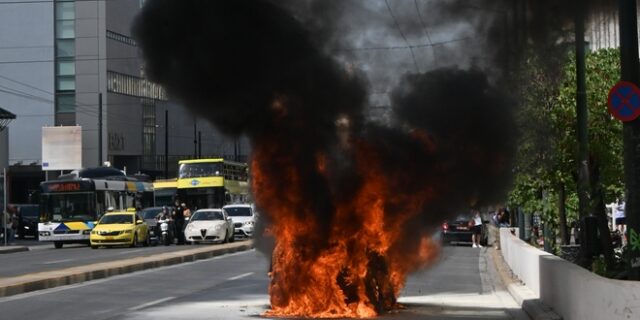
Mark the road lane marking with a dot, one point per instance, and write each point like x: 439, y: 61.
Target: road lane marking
x: 240, y: 276
x: 57, y: 261
x: 152, y: 303
x: 131, y: 251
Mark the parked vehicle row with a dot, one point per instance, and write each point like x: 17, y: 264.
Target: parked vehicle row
x: 130, y: 228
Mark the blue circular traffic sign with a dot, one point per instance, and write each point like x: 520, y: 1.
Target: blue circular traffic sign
x: 624, y: 101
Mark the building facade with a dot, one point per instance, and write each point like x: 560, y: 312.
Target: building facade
x: 74, y: 63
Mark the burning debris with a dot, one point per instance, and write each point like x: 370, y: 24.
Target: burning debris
x: 351, y: 205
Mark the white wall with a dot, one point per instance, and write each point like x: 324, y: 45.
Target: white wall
x: 573, y: 292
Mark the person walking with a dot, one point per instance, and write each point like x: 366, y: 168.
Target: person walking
x: 476, y: 222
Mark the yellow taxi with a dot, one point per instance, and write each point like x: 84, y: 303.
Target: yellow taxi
x: 122, y: 228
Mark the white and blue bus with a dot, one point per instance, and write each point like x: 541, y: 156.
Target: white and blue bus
x: 71, y: 205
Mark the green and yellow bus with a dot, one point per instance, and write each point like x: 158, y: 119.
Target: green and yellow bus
x: 212, y: 183
x: 165, y: 192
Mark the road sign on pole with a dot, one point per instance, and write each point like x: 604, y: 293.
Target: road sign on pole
x: 624, y: 101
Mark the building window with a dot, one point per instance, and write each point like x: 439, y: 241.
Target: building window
x: 65, y: 68
x: 149, y: 127
x: 65, y: 10
x: 65, y: 104
x: 65, y: 48
x: 65, y: 29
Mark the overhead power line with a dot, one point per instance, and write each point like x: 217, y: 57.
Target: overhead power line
x: 395, y: 21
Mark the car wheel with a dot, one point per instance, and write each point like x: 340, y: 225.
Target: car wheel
x: 57, y: 244
x: 134, y: 242
x: 146, y: 242
x: 226, y: 237
x: 232, y: 238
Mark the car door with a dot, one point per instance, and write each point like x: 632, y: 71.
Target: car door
x: 228, y: 223
x: 141, y: 229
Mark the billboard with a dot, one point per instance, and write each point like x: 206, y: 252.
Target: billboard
x: 61, y: 148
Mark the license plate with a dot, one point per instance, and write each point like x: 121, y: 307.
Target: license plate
x: 463, y: 228
x: 108, y: 238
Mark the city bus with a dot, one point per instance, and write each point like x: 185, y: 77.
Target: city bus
x: 70, y: 205
x: 212, y: 183
x: 165, y: 192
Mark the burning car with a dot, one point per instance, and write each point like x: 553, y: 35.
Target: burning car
x: 209, y: 225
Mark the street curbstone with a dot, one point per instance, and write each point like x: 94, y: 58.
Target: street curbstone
x: 51, y: 279
x: 523, y: 296
x: 13, y: 249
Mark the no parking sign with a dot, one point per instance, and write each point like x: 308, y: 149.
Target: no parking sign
x: 624, y: 101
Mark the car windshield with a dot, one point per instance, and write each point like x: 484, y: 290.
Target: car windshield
x: 117, y: 219
x: 29, y: 211
x: 150, y: 213
x: 238, y: 211
x: 207, y: 215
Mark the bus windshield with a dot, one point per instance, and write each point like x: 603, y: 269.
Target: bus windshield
x: 63, y: 207
x: 198, y: 170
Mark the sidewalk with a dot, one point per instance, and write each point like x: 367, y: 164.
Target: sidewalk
x: 50, y: 279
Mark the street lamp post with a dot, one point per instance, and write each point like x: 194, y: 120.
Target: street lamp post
x: 629, y: 65
x: 5, y: 118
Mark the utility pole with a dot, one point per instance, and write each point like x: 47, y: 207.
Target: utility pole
x: 100, y: 129
x: 583, y: 139
x: 166, y: 144
x: 199, y: 144
x: 195, y: 139
x: 631, y: 133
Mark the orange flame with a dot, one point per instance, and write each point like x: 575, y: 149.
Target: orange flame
x: 358, y: 270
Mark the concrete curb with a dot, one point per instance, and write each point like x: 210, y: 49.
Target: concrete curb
x: 13, y: 249
x: 50, y: 279
x: 520, y: 293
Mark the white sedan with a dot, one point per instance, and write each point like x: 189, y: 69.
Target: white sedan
x: 209, y: 225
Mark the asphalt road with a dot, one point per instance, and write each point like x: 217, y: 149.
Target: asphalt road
x: 46, y: 258
x: 235, y: 286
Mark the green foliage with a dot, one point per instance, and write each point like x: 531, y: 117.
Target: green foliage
x: 548, y: 149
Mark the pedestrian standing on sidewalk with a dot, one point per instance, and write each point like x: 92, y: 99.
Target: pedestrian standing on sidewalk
x: 476, y: 222
x: 12, y: 224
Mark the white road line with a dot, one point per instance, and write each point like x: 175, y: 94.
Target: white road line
x: 131, y: 251
x: 240, y: 276
x: 152, y: 303
x: 58, y: 261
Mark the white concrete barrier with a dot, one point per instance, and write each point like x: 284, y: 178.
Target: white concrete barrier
x: 522, y: 258
x: 573, y: 292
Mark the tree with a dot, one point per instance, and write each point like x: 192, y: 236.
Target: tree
x: 546, y: 159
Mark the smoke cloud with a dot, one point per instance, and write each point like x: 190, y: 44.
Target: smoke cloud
x: 299, y: 78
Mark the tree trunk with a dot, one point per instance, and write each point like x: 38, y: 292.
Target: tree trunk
x: 562, y: 214
x: 600, y: 211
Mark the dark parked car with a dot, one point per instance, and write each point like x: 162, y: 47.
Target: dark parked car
x: 28, y: 215
x: 455, y: 231
x: 149, y: 215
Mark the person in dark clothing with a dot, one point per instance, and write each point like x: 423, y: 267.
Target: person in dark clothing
x: 178, y: 218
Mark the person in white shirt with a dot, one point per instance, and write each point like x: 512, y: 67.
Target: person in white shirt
x: 476, y: 220
x: 619, y: 216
